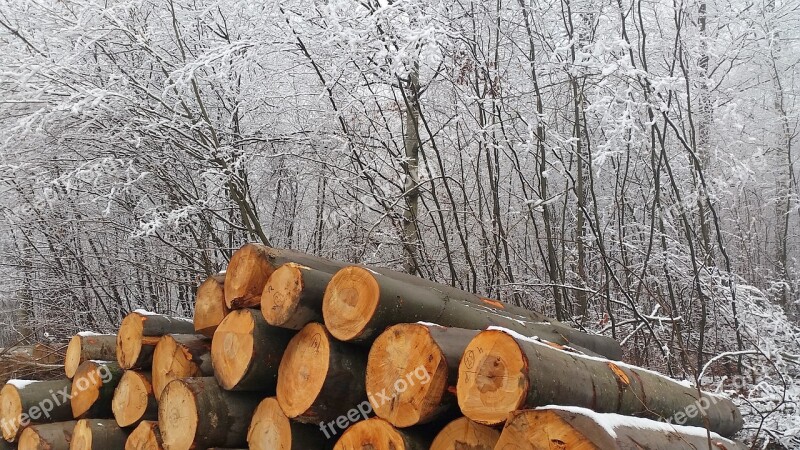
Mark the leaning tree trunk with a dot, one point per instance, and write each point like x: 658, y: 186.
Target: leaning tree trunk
x: 270, y: 429
x: 320, y: 378
x: 98, y: 434
x: 145, y: 437
x: 93, y: 389
x: 134, y: 400
x: 416, y: 352
x: 555, y: 427
x: 359, y: 304
x: 48, y: 436
x: 180, y: 356
x: 23, y: 402
x: 89, y: 346
x: 139, y: 333
x: 246, y: 352
x: 209, y: 305
x: 197, y: 413
x: 378, y: 434
x: 293, y: 296
x: 500, y: 374
x: 464, y: 434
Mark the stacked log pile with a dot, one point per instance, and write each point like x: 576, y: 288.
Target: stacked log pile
x: 288, y: 351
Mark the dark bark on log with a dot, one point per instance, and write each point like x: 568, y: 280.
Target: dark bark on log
x: 48, y: 436
x: 98, y: 434
x: 93, y: 389
x: 30, y: 402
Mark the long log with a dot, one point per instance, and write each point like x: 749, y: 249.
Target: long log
x: 48, y: 436
x: 93, y: 389
x: 293, y: 295
x: 270, y: 429
x: 246, y: 352
x: 463, y: 433
x: 197, y: 413
x: 209, y: 305
x: 180, y: 356
x: 378, y: 434
x: 145, y: 436
x: 139, y: 333
x: 360, y: 303
x: 559, y: 427
x: 134, y: 399
x: 87, y: 346
x: 320, y: 378
x: 98, y: 434
x: 416, y: 366
x: 500, y: 374
x: 24, y: 402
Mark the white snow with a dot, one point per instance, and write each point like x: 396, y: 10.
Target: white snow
x: 89, y: 333
x: 20, y: 384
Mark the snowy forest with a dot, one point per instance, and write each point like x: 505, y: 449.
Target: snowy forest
x: 624, y: 166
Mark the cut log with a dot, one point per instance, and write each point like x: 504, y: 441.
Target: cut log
x: 197, y: 413
x: 246, y: 276
x: 98, y: 434
x: 320, y: 378
x: 416, y: 365
x: 463, y: 433
x: 579, y: 428
x: 134, y: 399
x: 270, y: 429
x: 360, y: 303
x: 246, y: 352
x: 139, y: 333
x: 23, y: 402
x: 500, y: 374
x: 293, y: 295
x: 145, y: 437
x: 209, y: 306
x: 89, y: 346
x: 93, y: 389
x: 181, y: 356
x: 378, y: 434
x: 48, y: 436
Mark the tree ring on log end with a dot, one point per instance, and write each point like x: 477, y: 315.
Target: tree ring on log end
x: 232, y: 348
x: 303, y: 369
x: 373, y: 434
x: 492, y: 378
x: 270, y: 428
x: 402, y: 352
x: 350, y: 302
x: 178, y: 416
x: 463, y: 433
x: 10, y: 411
x: 81, y: 436
x: 282, y: 294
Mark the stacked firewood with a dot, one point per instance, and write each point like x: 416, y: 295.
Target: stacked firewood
x: 288, y: 351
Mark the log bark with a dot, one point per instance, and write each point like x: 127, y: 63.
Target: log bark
x: 320, y: 378
x: 378, y: 434
x: 415, y: 365
x: 93, y: 389
x: 139, y: 333
x: 98, y: 434
x: 267, y: 260
x: 293, y: 295
x: 270, y: 429
x: 180, y: 356
x: 89, y: 346
x: 146, y: 436
x: 26, y: 402
x: 581, y: 428
x: 48, y: 436
x: 463, y: 433
x: 197, y: 413
x: 209, y: 306
x: 500, y: 374
x: 246, y: 352
x: 134, y: 399
x: 360, y: 303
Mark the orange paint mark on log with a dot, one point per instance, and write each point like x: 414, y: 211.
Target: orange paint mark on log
x: 494, y: 303
x: 620, y: 374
